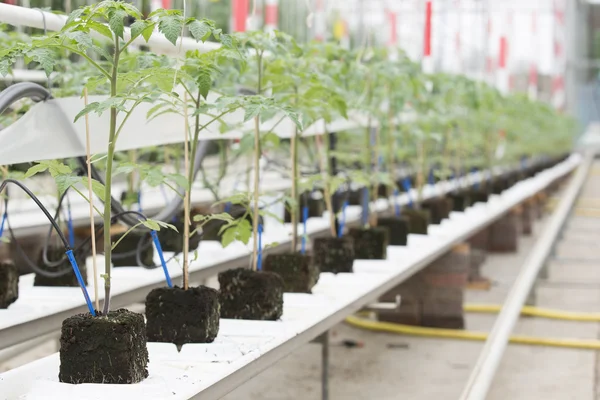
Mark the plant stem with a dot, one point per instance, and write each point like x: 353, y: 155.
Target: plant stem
x: 295, y: 209
x: 368, y: 159
x: 108, y: 181
x: 375, y: 188
x: 186, y: 200
x: 391, y: 144
x: 255, y: 216
x: 91, y: 200
x: 323, y: 166
x: 420, y: 168
x: 257, y: 152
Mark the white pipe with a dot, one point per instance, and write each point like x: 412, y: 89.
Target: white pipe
x: 482, y: 375
x: 19, y: 16
x: 26, y: 75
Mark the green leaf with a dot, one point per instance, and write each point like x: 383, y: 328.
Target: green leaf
x: 272, y: 139
x: 64, y: 182
x: 83, y: 40
x: 36, y: 169
x: 124, y: 168
x: 251, y: 111
x: 44, y: 56
x: 116, y: 21
x: 179, y: 179
x: 200, y: 30
x: 165, y: 225
x: 228, y: 236
x: 97, y: 187
x: 102, y: 29
x: 151, y: 224
x: 171, y: 26
x: 244, y: 231
x: 147, y: 33
x: 154, y: 177
x: 131, y: 10
x: 138, y: 27
x: 204, y: 82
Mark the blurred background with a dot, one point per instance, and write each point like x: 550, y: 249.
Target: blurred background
x: 547, y: 48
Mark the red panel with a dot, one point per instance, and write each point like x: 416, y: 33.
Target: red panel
x: 393, y: 28
x: 427, y: 44
x: 271, y: 14
x: 166, y: 4
x: 503, y: 52
x: 240, y: 14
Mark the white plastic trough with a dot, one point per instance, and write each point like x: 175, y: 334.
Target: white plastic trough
x: 244, y: 348
x: 40, y: 310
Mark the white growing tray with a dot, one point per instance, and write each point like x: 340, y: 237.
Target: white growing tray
x: 244, y: 348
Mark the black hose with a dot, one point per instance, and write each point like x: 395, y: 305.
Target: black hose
x: 50, y: 218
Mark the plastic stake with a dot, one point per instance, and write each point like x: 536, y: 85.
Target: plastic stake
x: 71, y: 258
x: 161, y: 256
x: 304, y: 218
x: 365, y: 206
x: 139, y: 200
x: 476, y: 184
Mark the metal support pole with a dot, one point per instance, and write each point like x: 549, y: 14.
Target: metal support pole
x: 325, y: 366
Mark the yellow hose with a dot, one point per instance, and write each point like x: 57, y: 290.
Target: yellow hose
x: 468, y: 335
x: 536, y: 312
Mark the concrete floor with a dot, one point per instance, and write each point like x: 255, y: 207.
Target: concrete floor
x: 422, y: 368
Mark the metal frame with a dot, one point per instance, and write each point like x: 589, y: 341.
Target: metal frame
x: 481, y: 378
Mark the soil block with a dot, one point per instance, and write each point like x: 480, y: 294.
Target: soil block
x: 124, y: 255
x: 247, y: 294
x: 355, y: 197
x: 459, y: 201
x: 418, y: 220
x: 174, y: 315
x: 370, y: 243
x: 56, y: 253
x: 398, y: 226
x: 171, y: 240
x: 103, y: 349
x: 316, y: 208
x: 332, y: 254
x: 211, y: 229
x: 298, y: 271
x: 9, y: 283
x: 437, y: 208
x: 478, y: 196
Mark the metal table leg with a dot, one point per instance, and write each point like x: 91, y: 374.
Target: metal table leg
x: 325, y: 365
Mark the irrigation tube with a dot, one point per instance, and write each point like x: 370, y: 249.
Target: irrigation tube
x: 482, y: 375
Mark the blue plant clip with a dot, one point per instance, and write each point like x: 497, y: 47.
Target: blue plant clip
x: 3, y: 222
x: 161, y: 256
x: 73, y: 262
x: 305, y: 218
x: 343, y: 221
x: 259, y: 255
